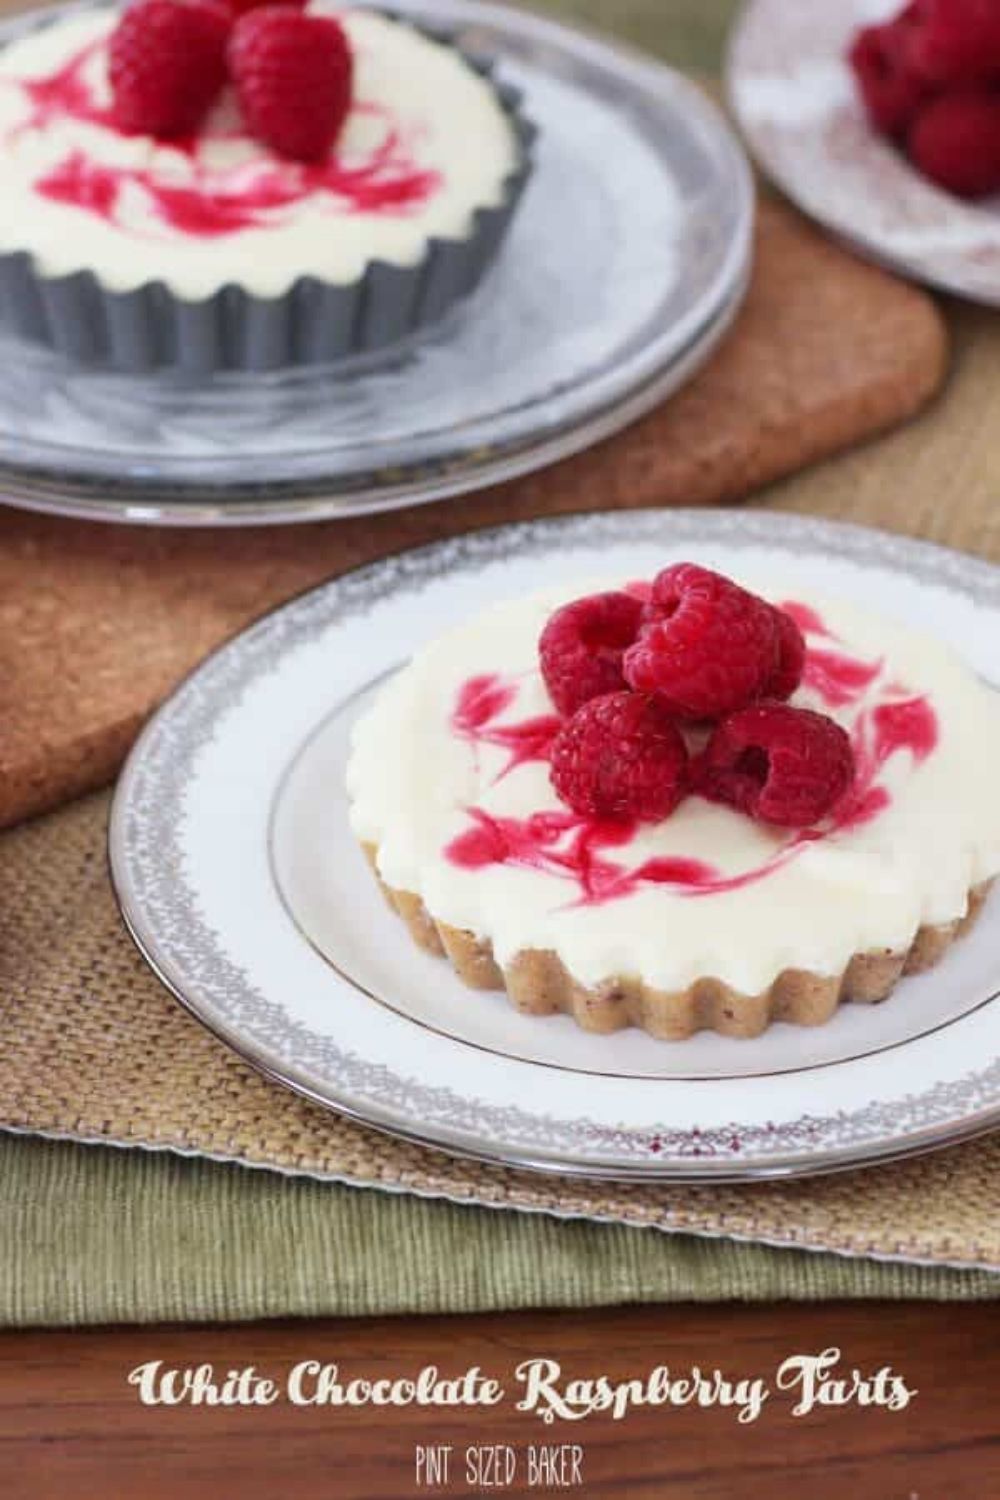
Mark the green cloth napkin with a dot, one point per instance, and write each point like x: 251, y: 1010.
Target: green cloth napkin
x: 91, y: 1234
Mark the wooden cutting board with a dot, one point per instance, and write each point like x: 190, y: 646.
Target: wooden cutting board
x: 98, y: 622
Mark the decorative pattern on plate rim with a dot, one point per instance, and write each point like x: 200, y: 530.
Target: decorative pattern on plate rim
x: 164, y: 917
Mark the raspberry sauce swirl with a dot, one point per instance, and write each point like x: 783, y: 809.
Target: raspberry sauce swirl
x: 883, y: 722
x: 207, y: 199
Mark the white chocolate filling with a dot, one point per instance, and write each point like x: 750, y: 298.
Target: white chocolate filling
x: 412, y: 781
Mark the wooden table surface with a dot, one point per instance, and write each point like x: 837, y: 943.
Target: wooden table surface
x: 71, y: 1425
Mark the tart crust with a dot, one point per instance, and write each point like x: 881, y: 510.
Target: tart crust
x: 538, y: 983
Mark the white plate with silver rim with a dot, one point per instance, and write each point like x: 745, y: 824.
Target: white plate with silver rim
x: 629, y: 254
x: 797, y: 103
x: 239, y: 879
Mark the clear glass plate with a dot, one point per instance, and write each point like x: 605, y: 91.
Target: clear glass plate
x: 628, y: 259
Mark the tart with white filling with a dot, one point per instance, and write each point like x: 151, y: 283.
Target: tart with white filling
x: 184, y: 146
x: 680, y: 806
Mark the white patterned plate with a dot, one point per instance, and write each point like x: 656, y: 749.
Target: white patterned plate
x: 239, y: 879
x: 795, y: 99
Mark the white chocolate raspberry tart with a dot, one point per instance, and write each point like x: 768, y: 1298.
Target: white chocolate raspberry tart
x: 185, y: 185
x: 673, y: 804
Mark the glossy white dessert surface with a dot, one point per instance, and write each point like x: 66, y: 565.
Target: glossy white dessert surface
x: 415, y: 784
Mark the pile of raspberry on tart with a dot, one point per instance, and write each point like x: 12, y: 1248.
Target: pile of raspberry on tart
x: 929, y: 78
x: 676, y: 804
x: 169, y: 60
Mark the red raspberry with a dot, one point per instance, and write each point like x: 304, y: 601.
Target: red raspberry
x: 620, y: 757
x: 956, y: 142
x: 293, y: 74
x: 707, y: 646
x: 954, y: 42
x: 240, y: 7
x: 582, y: 646
x: 167, y: 64
x: 791, y: 658
x: 891, y: 91
x: 784, y: 765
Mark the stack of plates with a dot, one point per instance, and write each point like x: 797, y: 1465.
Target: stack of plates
x: 628, y: 262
